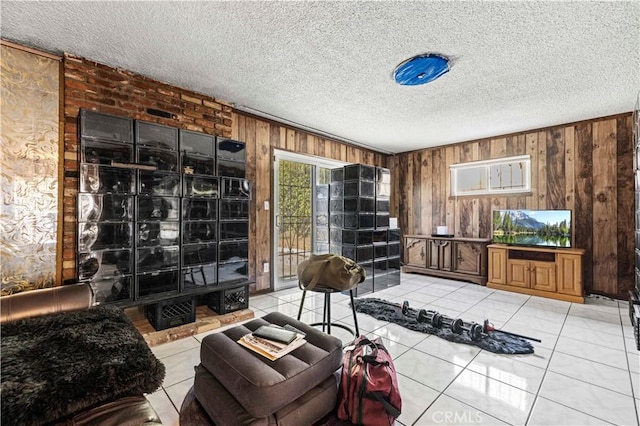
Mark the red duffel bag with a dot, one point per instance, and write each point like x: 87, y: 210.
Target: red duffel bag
x: 369, y: 393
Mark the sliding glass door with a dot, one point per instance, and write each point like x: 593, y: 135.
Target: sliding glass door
x: 296, y: 180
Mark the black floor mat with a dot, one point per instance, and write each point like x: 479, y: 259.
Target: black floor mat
x: 495, y: 342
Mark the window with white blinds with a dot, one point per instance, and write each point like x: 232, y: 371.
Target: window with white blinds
x: 509, y: 175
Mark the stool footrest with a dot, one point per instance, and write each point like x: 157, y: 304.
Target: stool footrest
x: 333, y: 324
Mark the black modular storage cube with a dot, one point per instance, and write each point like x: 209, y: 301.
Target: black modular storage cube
x: 230, y: 149
x: 98, y: 179
x: 359, y: 205
x: 393, y: 249
x: 379, y: 236
x: 159, y: 183
x: 232, y: 272
x: 359, y: 171
x: 234, y: 230
x: 197, y: 143
x: 107, y: 153
x: 199, y: 276
x: 171, y: 312
x: 358, y: 253
x: 153, y: 208
x: 101, y: 126
x: 393, y: 278
x: 94, y: 236
x: 157, y: 282
x: 163, y: 160
x: 336, y: 220
x: 336, y: 190
x: 380, y: 251
x: 358, y: 188
x: 380, y: 282
x: 368, y: 268
x: 359, y: 220
x: 156, y: 135
x: 105, y: 207
x: 364, y: 287
x: 105, y: 263
x: 198, y: 164
x: 201, y: 186
x: 382, y: 220
x: 231, y: 168
x: 234, y: 209
x: 235, y: 188
x: 394, y: 235
x: 230, y: 300
x: 356, y: 236
x: 336, y: 205
x: 382, y: 206
x: 199, y: 232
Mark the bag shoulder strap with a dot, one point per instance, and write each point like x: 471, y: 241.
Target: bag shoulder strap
x: 390, y: 409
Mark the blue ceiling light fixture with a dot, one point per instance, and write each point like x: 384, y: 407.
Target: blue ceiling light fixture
x: 421, y: 69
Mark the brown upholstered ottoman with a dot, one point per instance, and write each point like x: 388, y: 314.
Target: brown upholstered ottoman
x: 237, y: 386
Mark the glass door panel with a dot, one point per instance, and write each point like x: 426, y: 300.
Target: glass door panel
x: 298, y: 205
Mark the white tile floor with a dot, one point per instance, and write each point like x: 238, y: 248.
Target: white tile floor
x: 586, y: 371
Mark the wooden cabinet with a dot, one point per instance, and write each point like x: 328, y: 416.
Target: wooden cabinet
x: 497, y: 272
x: 457, y: 258
x: 531, y: 274
x: 439, y: 254
x: 546, y: 272
x: 570, y: 274
x: 470, y: 257
x: 415, y: 252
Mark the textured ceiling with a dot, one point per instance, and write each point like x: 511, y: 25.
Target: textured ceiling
x: 328, y: 65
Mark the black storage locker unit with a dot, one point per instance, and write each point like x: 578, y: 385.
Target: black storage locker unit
x: 156, y: 205
x: 231, y: 158
x: 358, y: 221
x: 105, y: 206
x: 157, y: 228
x: 233, y: 238
x: 201, y: 190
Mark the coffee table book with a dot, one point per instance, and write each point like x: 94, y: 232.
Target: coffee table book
x: 268, y: 348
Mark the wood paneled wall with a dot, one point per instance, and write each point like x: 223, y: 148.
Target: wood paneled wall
x: 262, y: 137
x: 585, y: 167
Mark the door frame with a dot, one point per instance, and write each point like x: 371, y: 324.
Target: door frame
x: 298, y: 158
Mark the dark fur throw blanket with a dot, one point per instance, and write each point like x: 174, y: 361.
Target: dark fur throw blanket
x: 495, y: 342
x: 55, y: 366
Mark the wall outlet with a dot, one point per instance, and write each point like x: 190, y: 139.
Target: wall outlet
x: 265, y: 267
x: 266, y: 205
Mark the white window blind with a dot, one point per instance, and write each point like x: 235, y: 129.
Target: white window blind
x: 509, y: 175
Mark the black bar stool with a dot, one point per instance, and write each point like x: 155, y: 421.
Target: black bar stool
x: 326, y: 311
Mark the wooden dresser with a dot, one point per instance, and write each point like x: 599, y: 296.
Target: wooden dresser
x: 547, y: 272
x: 457, y: 258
